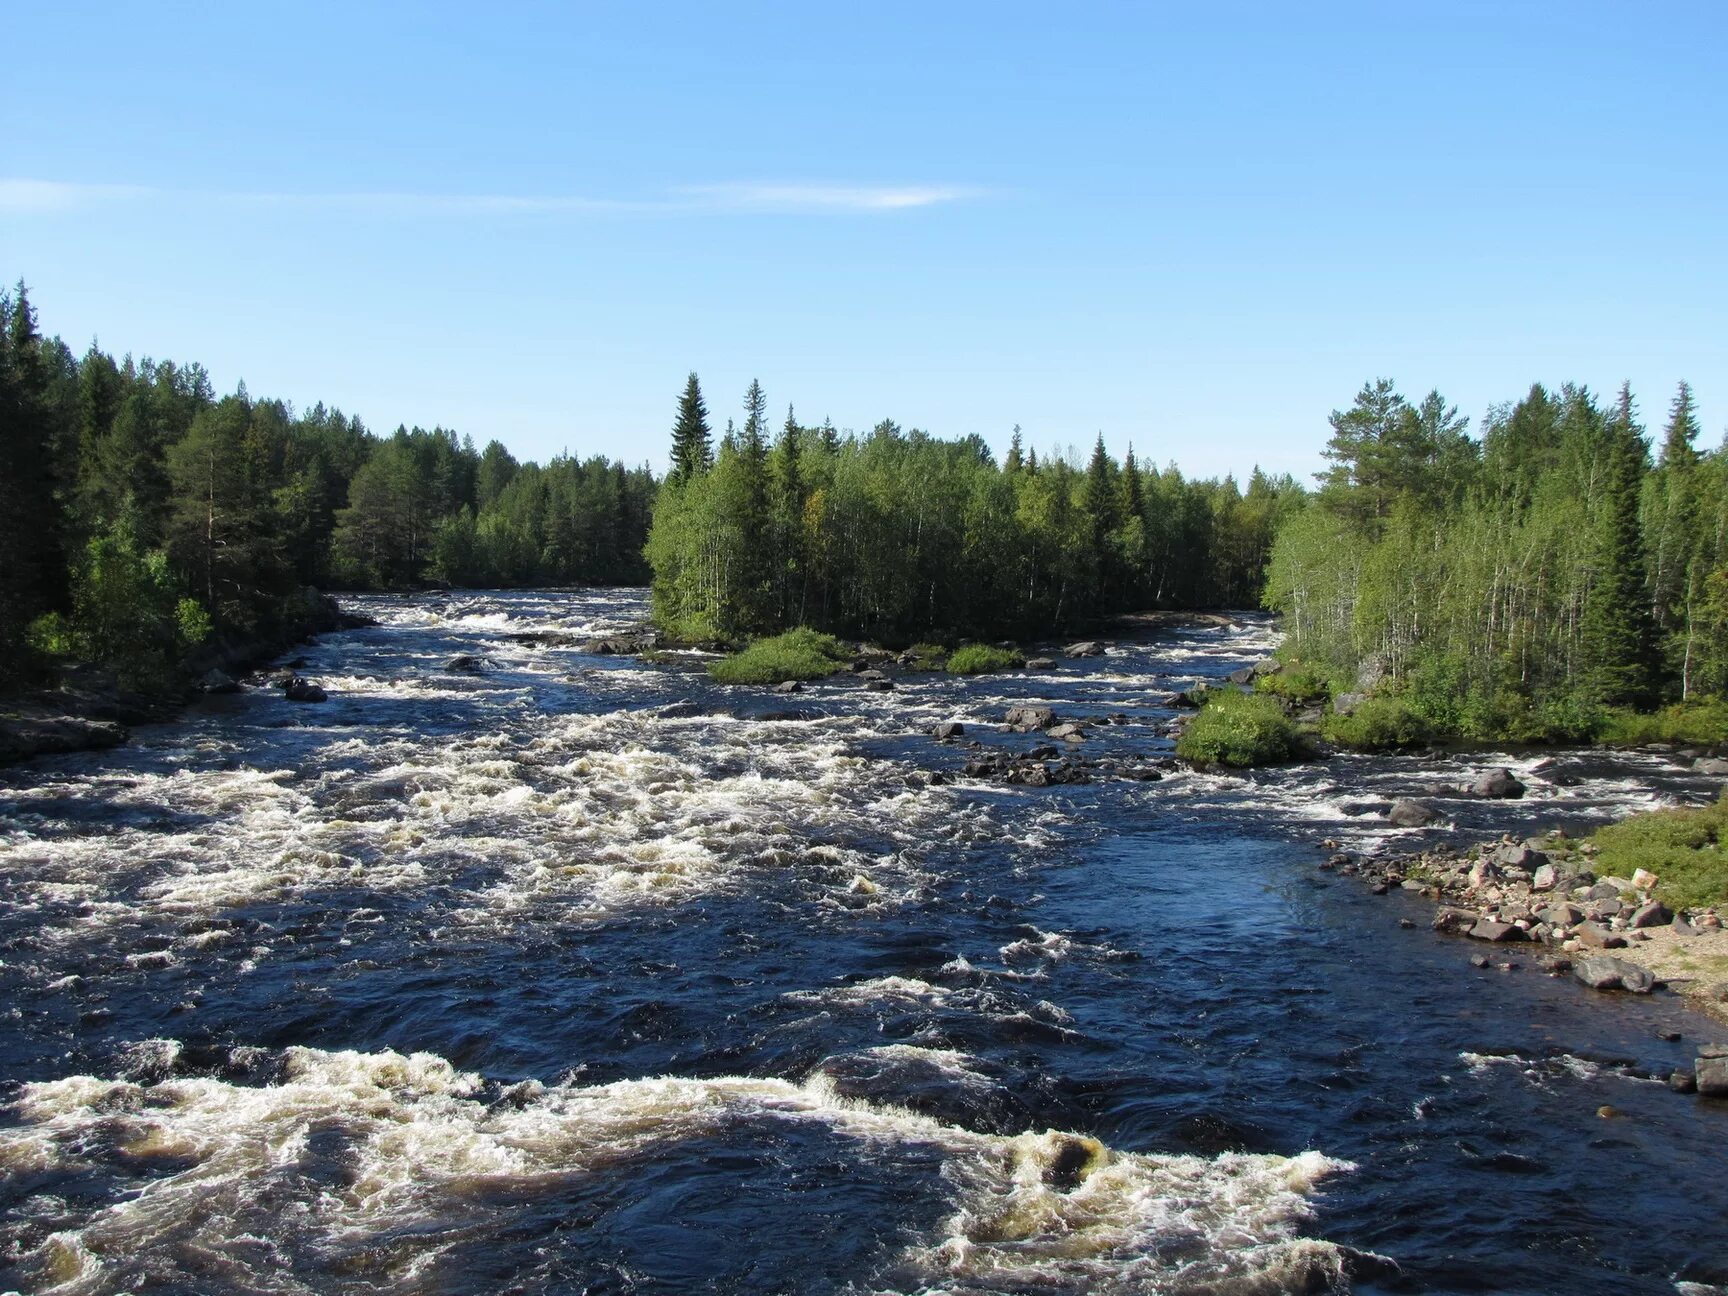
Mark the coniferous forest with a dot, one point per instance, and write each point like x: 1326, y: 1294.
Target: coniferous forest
x: 141, y: 514
x: 1563, y: 564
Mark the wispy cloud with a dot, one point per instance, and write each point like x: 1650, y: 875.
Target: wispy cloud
x: 27, y: 196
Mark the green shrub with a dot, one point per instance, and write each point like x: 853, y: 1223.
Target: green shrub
x: 928, y: 656
x: 799, y: 654
x: 1687, y: 850
x: 1691, y: 722
x: 1302, y: 684
x: 1376, y: 724
x: 1238, y: 729
x: 982, y: 659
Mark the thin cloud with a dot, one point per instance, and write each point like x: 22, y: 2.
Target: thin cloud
x: 30, y: 196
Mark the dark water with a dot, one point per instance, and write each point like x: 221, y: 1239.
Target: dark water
x: 588, y: 976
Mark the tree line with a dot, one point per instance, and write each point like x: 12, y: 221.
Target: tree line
x: 897, y: 535
x: 1521, y: 583
x: 140, y: 513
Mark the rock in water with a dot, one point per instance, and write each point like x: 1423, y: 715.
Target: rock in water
x: 1712, y: 1077
x: 1086, y: 648
x: 948, y: 729
x: 302, y: 690
x: 788, y: 686
x: 216, y: 681
x: 1067, y: 733
x: 1490, y: 930
x: 1497, y: 784
x: 1024, y: 719
x: 1604, y: 972
x: 464, y: 664
x: 1411, y: 814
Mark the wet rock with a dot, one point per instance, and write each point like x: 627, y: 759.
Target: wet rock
x: 1654, y: 914
x: 871, y: 675
x: 1712, y: 1076
x: 303, y: 690
x: 25, y: 736
x: 1454, y: 921
x: 465, y: 664
x: 1490, y: 930
x: 879, y: 685
x: 620, y: 645
x: 216, y: 681
x: 1604, y: 972
x: 1497, y: 784
x: 948, y: 729
x: 1715, y: 766
x: 1411, y: 814
x: 1086, y: 648
x: 788, y: 686
x: 1683, y: 1082
x: 1479, y: 960
x: 1406, y: 924
x: 1066, y: 732
x: 1041, y: 663
x: 1026, y: 719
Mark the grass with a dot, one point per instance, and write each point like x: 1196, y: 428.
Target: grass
x: 982, y: 659
x: 928, y: 656
x: 1238, y: 730
x: 1687, y: 850
x: 1304, y: 685
x: 1689, y: 722
x: 799, y: 654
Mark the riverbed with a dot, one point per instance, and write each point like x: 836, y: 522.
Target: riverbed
x: 584, y: 974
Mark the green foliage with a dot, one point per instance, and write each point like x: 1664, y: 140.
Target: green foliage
x: 1239, y: 730
x: 50, y: 635
x: 1297, y: 682
x: 1687, y: 850
x: 928, y: 656
x: 1378, y: 724
x: 1701, y: 721
x: 983, y: 659
x: 798, y: 654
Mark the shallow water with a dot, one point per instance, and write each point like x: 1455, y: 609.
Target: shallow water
x: 582, y: 975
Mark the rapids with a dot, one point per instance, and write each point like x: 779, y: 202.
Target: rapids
x: 587, y: 975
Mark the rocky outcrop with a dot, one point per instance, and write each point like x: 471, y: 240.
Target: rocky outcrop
x: 1029, y: 718
x: 26, y: 735
x: 1605, y: 972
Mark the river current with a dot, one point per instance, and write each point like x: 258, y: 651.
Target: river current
x: 586, y: 975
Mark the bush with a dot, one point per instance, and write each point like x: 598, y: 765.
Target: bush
x: 982, y: 659
x: 1240, y: 730
x: 1303, y: 685
x: 1690, y: 722
x: 1376, y: 724
x: 799, y: 654
x: 1687, y: 850
x: 928, y: 656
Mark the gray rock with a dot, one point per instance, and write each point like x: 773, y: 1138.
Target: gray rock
x: 1683, y: 1082
x: 1454, y: 921
x: 1346, y: 703
x: 1654, y: 914
x: 1603, y: 891
x: 215, y: 681
x: 1086, y: 648
x: 1712, y: 1073
x: 1545, y: 878
x: 1715, y: 766
x: 948, y: 729
x: 1024, y: 719
x: 1604, y: 972
x: 1411, y: 814
x: 1489, y: 930
x: 1498, y: 785
x: 1244, y: 676
x: 1041, y: 663
x: 1066, y: 732
x: 871, y: 675
x: 1564, y: 914
x: 788, y: 686
x: 879, y: 685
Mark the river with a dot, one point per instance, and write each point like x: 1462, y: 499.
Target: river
x: 588, y: 975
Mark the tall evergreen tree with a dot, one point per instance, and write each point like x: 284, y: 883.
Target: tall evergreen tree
x: 1016, y: 460
x: 692, y: 444
x: 1617, y: 635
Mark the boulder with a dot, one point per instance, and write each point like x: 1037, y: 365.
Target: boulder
x: 302, y: 690
x: 1604, y: 972
x: 1644, y: 879
x: 879, y: 685
x: 788, y: 686
x: 948, y: 729
x: 1683, y: 1082
x: 1086, y: 648
x: 1066, y: 732
x: 464, y: 664
x: 1025, y: 719
x: 1489, y: 930
x: 1497, y: 785
x: 1564, y: 914
x: 215, y: 681
x: 1411, y: 814
x: 1654, y: 914
x: 1454, y: 921
x: 1599, y: 937
x: 45, y: 735
x: 871, y: 675
x: 1244, y: 677
x: 1346, y: 703
x: 1545, y: 878
x: 619, y: 645
x: 1520, y: 856
x: 1712, y: 1076
x: 1715, y: 766
x: 1041, y: 663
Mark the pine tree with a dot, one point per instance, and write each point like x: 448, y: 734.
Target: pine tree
x: 1016, y: 461
x: 830, y: 437
x: 1617, y: 635
x: 692, y: 447
x: 1133, y: 490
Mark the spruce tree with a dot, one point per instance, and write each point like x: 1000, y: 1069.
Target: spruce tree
x: 692, y: 448
x: 1016, y: 461
x: 1133, y: 491
x: 1617, y: 635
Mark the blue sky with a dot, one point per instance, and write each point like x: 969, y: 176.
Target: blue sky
x: 1198, y: 228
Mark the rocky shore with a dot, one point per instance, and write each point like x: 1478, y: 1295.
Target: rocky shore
x: 1543, y: 903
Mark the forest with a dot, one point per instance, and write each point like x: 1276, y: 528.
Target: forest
x: 142, y: 515
x: 896, y: 535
